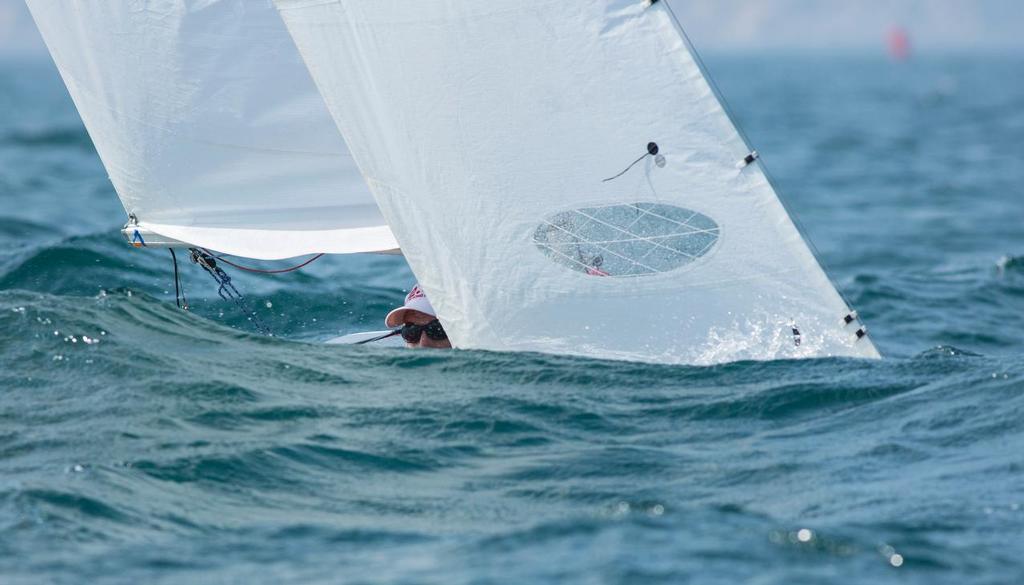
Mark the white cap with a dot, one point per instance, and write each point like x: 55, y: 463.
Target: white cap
x: 416, y: 300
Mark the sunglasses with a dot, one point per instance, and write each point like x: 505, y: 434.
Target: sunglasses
x: 411, y: 333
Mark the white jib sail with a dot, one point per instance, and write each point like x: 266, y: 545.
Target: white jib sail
x: 210, y: 127
x: 486, y: 130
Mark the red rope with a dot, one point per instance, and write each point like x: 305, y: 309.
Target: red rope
x: 260, y: 271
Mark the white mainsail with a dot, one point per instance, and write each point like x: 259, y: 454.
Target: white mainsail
x: 210, y: 127
x: 486, y: 131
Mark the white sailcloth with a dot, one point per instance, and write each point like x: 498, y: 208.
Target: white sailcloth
x: 486, y: 131
x: 210, y: 127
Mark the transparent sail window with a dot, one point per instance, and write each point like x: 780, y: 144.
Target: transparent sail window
x: 630, y: 239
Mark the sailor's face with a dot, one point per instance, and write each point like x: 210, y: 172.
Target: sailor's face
x: 418, y: 318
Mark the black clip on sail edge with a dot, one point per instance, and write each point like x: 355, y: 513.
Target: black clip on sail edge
x: 748, y: 160
x: 852, y: 317
x: 652, y: 150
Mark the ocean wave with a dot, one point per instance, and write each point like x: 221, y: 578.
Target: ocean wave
x: 46, y: 138
x: 143, y: 443
x: 1010, y: 265
x: 161, y: 425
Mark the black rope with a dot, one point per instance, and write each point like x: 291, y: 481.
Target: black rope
x: 179, y: 289
x: 378, y: 338
x: 625, y: 170
x: 652, y: 149
x: 226, y: 289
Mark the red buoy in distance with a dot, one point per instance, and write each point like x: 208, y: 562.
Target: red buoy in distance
x: 899, y: 43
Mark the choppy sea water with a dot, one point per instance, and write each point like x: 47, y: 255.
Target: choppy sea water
x: 139, y: 443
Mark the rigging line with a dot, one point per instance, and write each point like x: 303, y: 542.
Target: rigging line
x: 652, y: 149
x: 179, y: 289
x: 625, y: 170
x: 746, y: 141
x: 378, y: 338
x: 262, y: 271
x: 226, y: 290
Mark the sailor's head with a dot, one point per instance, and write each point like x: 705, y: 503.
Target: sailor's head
x: 420, y: 327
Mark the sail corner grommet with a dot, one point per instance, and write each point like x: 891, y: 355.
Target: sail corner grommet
x: 748, y: 160
x: 850, y: 317
x: 862, y: 332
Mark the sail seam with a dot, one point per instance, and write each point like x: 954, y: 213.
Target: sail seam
x: 83, y: 93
